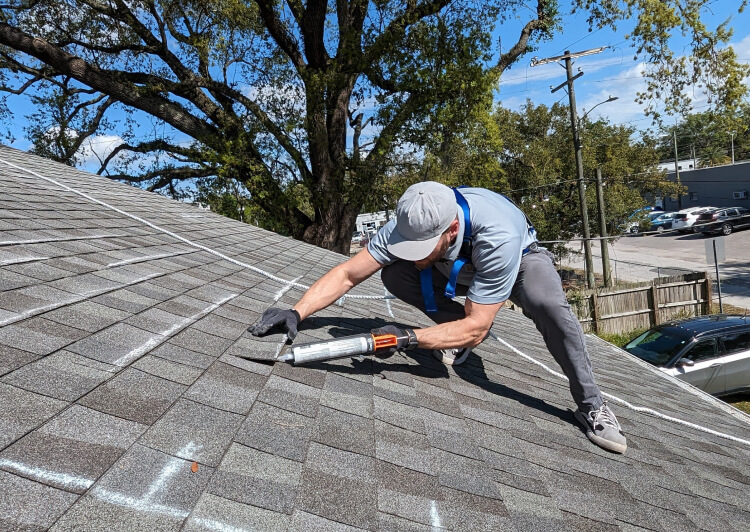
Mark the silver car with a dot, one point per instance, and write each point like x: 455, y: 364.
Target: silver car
x: 710, y: 352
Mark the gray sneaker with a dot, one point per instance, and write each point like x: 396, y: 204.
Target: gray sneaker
x: 603, y: 429
x: 452, y: 357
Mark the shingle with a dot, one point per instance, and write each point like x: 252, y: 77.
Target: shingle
x: 39, y: 336
x: 60, y: 375
x: 347, y: 395
x: 201, y: 342
x: 87, y: 316
x: 403, y: 447
x: 291, y: 395
x: 227, y: 387
x: 253, y: 477
x: 314, y: 523
x: 210, y: 430
x: 126, y: 301
x: 120, y: 344
x: 23, y: 411
x: 72, y: 450
x: 175, y: 353
x: 217, y: 513
x: 167, y: 369
x: 27, y: 505
x: 344, y: 464
x: 134, y: 395
x: 339, y: 499
x: 464, y: 474
x: 11, y: 358
x: 276, y: 431
x: 344, y: 431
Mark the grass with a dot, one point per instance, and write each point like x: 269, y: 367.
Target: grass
x: 740, y: 402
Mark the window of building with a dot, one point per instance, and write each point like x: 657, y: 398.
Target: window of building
x: 693, y: 196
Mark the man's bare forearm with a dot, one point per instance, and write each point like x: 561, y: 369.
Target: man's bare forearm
x: 454, y: 334
x: 466, y: 332
x: 336, y: 283
x: 325, y: 291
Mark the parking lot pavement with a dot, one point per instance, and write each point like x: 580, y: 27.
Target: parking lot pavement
x: 642, y: 258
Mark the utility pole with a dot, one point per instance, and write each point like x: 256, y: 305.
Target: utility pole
x: 603, y: 229
x: 677, y: 170
x: 732, y: 147
x: 568, y: 58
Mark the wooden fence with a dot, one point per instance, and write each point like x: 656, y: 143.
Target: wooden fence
x: 618, y: 311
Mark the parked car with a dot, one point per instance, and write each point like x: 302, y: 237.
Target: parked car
x: 684, y: 220
x: 709, y: 352
x: 356, y: 237
x: 723, y: 220
x: 662, y: 222
x: 641, y: 220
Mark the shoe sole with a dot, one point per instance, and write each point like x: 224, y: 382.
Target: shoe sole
x: 614, y: 447
x: 451, y: 362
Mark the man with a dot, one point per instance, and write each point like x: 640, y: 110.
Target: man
x: 475, y: 243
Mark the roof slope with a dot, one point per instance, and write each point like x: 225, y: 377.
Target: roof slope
x: 123, y: 320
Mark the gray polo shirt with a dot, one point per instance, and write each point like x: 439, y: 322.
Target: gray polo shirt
x: 500, y: 234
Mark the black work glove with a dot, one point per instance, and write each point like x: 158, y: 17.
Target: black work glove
x: 287, y: 319
x: 407, y: 340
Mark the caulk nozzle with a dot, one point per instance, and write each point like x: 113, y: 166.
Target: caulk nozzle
x: 286, y: 358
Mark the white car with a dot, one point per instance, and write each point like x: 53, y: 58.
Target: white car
x: 685, y: 219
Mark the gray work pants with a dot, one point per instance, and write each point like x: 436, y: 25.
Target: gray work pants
x: 538, y: 292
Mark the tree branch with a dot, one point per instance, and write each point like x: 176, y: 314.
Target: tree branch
x: 279, y: 33
x: 398, y: 26
x: 102, y: 81
x: 540, y: 23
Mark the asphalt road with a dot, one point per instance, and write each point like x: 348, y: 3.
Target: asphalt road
x: 644, y: 257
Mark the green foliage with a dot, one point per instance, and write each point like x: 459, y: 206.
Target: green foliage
x: 709, y: 136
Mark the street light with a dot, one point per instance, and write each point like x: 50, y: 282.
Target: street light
x: 610, y: 99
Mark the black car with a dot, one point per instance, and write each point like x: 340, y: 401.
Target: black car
x: 723, y: 220
x: 710, y: 352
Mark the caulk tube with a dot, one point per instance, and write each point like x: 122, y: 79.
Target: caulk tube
x: 340, y: 348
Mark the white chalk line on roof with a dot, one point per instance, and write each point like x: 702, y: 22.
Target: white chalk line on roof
x: 164, y: 336
x: 175, y: 235
x: 623, y: 402
x: 303, y: 287
x: 74, y: 299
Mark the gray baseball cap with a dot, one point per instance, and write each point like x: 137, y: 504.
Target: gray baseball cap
x: 423, y: 213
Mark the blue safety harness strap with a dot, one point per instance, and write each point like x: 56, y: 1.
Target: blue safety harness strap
x: 425, y: 277
x: 428, y: 292
x: 464, y: 254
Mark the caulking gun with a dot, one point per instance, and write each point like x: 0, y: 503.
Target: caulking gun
x: 359, y: 344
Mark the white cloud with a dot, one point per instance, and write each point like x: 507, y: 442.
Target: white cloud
x: 625, y: 87
x: 96, y: 148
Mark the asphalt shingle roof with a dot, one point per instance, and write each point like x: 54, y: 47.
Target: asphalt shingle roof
x: 127, y: 405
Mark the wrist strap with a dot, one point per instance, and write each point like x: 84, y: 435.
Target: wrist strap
x: 413, y: 342
x: 296, y: 314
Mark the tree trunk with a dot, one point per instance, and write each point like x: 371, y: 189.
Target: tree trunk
x: 333, y: 228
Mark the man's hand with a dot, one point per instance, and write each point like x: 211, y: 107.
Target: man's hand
x: 406, y: 338
x: 272, y: 317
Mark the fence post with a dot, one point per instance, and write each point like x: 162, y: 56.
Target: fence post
x: 655, y: 303
x: 709, y: 294
x: 595, y: 311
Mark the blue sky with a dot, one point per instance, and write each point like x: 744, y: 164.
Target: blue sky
x: 613, y: 72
